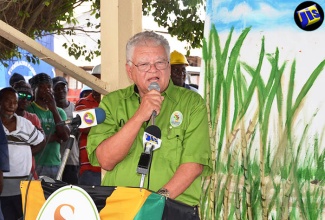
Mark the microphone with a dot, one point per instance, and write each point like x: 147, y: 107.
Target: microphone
x: 154, y: 86
x: 86, y: 118
x: 151, y: 141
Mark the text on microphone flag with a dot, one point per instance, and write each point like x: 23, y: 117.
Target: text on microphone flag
x: 151, y: 138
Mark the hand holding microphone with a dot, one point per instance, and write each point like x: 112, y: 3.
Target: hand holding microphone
x: 150, y: 101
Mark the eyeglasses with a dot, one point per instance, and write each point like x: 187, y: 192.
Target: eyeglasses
x: 26, y: 96
x: 145, y: 67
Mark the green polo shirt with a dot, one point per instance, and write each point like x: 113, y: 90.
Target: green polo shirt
x: 184, y: 134
x: 50, y: 155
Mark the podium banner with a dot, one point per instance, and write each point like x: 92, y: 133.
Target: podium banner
x: 113, y: 203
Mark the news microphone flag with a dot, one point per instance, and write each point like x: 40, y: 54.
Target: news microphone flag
x: 90, y: 117
x: 152, y: 136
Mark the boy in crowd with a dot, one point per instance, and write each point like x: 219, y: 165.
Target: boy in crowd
x: 48, y: 161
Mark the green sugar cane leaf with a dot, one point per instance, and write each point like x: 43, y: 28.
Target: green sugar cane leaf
x: 212, y: 73
x: 290, y: 96
x: 293, y: 173
x: 306, y: 87
x: 279, y: 94
x: 249, y: 95
x: 260, y: 83
x: 235, y: 53
x: 274, y: 70
x: 256, y: 82
x: 269, y: 102
x: 237, y: 95
x: 224, y: 54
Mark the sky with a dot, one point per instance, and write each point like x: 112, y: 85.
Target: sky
x: 256, y: 13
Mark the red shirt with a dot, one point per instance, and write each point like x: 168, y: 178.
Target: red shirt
x: 34, y: 119
x: 85, y: 103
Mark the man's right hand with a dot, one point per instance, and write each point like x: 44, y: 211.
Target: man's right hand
x: 150, y: 102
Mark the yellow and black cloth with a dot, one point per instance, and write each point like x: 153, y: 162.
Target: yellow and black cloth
x: 113, y: 203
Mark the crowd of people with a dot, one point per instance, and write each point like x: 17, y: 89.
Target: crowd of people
x: 34, y: 139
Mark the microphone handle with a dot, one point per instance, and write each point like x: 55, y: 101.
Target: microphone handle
x: 153, y: 116
x: 66, y: 122
x: 67, y: 151
x: 63, y: 163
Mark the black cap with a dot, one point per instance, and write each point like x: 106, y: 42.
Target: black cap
x: 15, y: 78
x: 59, y: 79
x: 22, y: 86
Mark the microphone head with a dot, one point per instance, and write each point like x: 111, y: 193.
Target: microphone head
x: 154, y: 86
x: 154, y: 130
x: 100, y: 115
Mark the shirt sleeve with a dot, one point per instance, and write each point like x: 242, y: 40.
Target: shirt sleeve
x: 100, y: 132
x: 62, y: 114
x: 196, y: 143
x: 37, y: 122
x: 29, y: 132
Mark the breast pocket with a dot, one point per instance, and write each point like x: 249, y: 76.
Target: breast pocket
x: 172, y: 145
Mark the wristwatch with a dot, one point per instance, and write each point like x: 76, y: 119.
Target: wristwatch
x: 163, y: 192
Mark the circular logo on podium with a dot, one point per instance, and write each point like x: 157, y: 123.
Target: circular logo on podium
x: 69, y: 203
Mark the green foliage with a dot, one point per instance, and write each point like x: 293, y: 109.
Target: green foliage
x: 180, y: 18
x: 43, y: 17
x: 36, y: 18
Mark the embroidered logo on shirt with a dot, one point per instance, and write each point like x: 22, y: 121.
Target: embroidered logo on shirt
x: 176, y: 119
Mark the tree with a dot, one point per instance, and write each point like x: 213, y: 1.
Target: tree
x: 181, y: 18
x: 37, y: 18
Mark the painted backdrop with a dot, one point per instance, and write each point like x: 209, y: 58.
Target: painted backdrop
x: 264, y: 82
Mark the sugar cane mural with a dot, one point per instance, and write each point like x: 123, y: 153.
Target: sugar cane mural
x: 263, y: 85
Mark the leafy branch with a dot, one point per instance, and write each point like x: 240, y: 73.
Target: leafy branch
x: 38, y: 18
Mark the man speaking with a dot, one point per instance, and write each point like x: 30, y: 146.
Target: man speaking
x: 183, y: 155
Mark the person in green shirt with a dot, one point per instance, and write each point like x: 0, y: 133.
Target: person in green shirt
x: 184, y: 155
x: 48, y: 161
